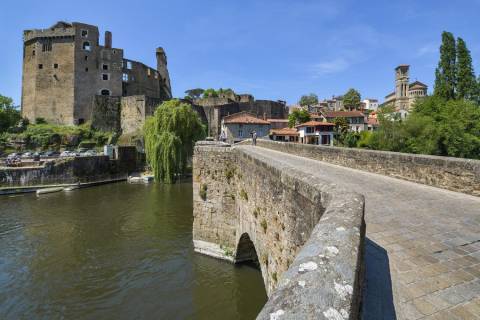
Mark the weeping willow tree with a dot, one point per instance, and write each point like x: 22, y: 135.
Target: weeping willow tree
x: 170, y: 135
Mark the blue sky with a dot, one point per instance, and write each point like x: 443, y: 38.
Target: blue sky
x: 274, y: 49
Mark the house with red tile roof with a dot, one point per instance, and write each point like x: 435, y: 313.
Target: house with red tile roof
x: 356, y: 119
x: 284, y: 134
x: 316, y: 132
x: 241, y: 125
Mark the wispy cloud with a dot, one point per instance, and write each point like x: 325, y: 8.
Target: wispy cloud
x: 328, y: 67
x: 427, y: 49
x: 345, y: 47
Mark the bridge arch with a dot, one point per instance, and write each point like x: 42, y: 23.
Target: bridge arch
x: 245, y: 250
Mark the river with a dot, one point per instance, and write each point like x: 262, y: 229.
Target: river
x: 118, y: 251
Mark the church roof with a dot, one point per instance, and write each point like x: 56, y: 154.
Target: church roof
x: 417, y: 84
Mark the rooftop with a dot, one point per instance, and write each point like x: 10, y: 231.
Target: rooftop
x: 244, y: 118
x: 314, y: 124
x: 284, y: 132
x: 344, y: 114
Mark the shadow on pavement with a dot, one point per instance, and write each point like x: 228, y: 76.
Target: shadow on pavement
x: 377, y: 287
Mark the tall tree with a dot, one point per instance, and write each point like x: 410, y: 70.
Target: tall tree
x: 194, y: 93
x: 308, y: 100
x: 169, y: 139
x: 351, y: 99
x: 445, y: 74
x: 466, y: 82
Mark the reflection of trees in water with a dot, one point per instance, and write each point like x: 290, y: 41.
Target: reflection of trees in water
x: 118, y: 251
x: 89, y: 243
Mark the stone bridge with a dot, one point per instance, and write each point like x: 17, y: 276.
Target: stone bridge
x: 300, y: 211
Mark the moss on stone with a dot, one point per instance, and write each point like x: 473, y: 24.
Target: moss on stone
x: 203, y: 191
x: 264, y: 225
x: 229, y: 173
x: 244, y: 195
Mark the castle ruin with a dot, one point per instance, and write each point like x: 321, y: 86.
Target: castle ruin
x: 68, y: 76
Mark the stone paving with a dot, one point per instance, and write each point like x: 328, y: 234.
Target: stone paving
x: 422, y: 247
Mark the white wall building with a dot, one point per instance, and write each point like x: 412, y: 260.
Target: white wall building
x: 371, y: 104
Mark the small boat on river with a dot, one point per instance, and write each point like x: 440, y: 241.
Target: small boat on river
x: 141, y: 179
x: 49, y: 190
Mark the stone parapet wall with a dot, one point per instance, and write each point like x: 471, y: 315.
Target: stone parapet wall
x: 461, y: 175
x: 307, y: 235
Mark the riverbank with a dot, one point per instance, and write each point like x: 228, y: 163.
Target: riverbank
x: 72, y: 171
x: 32, y: 189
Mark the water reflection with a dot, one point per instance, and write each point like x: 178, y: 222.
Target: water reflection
x: 118, y: 251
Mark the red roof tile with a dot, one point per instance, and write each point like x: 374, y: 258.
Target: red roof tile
x: 314, y: 124
x: 243, y: 118
x: 285, y: 132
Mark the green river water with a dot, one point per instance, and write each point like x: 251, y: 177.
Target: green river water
x: 118, y: 251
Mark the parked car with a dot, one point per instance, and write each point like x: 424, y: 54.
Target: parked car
x: 67, y: 153
x: 89, y: 153
x: 13, y: 155
x: 50, y: 154
x: 27, y: 155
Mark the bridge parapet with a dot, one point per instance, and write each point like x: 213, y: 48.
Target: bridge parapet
x: 307, y: 235
x: 456, y: 174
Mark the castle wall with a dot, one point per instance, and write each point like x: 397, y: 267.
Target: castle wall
x: 48, y: 81
x: 106, y: 112
x: 65, y: 94
x: 89, y: 71
x: 141, y: 80
x: 217, y: 108
x: 134, y: 110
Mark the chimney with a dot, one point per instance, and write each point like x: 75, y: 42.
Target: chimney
x: 108, y: 39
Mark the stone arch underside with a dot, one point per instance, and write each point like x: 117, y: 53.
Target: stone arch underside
x: 245, y: 250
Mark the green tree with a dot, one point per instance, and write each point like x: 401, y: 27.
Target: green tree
x: 9, y: 114
x: 210, y: 93
x: 436, y: 126
x: 341, y: 129
x: 195, y: 93
x: 298, y: 116
x: 170, y: 135
x: 308, y: 100
x: 466, y: 82
x: 352, y: 99
x: 446, y: 74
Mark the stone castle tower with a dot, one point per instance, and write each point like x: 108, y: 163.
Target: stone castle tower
x: 65, y: 67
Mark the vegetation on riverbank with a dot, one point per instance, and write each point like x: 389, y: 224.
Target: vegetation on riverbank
x: 170, y: 135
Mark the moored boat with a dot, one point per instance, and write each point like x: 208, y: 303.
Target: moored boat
x: 49, y: 190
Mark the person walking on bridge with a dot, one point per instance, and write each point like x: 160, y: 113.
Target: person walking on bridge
x: 254, y: 138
